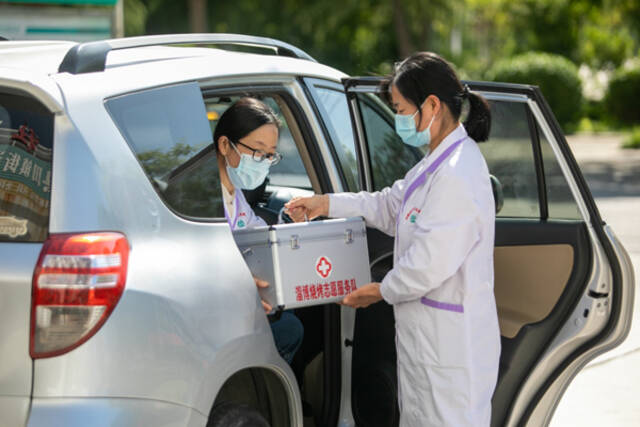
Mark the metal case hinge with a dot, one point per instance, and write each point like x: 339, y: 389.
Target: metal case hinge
x: 295, y: 243
x: 348, y: 236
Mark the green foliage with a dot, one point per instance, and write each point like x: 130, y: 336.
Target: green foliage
x: 196, y: 193
x: 622, y: 97
x: 135, y: 17
x: 346, y: 36
x: 600, y: 33
x: 630, y: 11
x: 166, y: 16
x: 545, y: 25
x: 633, y: 140
x: 588, y: 125
x: 605, y: 46
x: 556, y: 76
x: 158, y: 163
x: 363, y: 37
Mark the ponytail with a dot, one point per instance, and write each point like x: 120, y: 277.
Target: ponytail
x: 478, y: 122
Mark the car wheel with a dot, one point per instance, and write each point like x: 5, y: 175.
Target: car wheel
x: 230, y: 414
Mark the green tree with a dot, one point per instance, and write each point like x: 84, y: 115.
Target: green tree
x: 556, y: 76
x: 368, y: 36
x: 357, y: 36
x: 135, y: 17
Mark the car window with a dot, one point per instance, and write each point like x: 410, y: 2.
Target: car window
x: 290, y: 171
x: 26, y: 143
x: 508, y: 152
x: 560, y: 201
x: 334, y: 113
x: 510, y: 158
x: 167, y: 129
x: 390, y: 158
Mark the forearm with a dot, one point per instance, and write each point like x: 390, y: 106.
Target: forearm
x: 377, y: 210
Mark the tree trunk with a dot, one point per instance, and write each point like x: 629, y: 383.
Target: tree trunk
x: 403, y: 38
x: 198, y: 16
x: 425, y: 27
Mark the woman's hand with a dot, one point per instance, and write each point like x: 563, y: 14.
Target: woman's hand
x: 306, y: 208
x: 263, y: 284
x: 363, y: 296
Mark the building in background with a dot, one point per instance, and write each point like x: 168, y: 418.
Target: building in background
x: 77, y: 20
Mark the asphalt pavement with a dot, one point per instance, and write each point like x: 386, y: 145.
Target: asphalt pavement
x: 607, y: 391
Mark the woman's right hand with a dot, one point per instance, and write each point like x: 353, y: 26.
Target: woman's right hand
x: 307, y: 208
x: 263, y: 284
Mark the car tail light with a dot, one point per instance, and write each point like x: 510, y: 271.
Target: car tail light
x: 77, y: 283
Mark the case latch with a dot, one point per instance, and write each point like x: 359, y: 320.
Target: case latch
x: 348, y: 236
x: 294, y: 242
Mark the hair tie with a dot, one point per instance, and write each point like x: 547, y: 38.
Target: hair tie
x: 465, y: 91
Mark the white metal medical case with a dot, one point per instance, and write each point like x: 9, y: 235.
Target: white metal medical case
x: 307, y: 263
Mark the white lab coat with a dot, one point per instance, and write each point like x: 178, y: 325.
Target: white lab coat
x: 441, y: 285
x: 243, y: 217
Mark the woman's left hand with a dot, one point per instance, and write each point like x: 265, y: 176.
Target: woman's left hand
x: 363, y: 296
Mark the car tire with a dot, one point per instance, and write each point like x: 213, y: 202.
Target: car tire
x: 229, y: 414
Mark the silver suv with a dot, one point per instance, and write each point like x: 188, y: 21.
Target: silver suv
x: 124, y: 300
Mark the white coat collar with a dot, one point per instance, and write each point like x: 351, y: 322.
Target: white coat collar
x: 455, y: 135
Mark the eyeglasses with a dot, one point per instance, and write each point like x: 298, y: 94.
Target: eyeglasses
x: 259, y: 155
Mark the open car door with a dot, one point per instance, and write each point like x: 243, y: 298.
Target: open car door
x: 563, y: 283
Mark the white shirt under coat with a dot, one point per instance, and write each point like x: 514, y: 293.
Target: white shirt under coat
x: 441, y: 285
x: 238, y: 211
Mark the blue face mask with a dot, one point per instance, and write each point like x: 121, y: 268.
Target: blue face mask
x: 249, y: 174
x: 406, y: 129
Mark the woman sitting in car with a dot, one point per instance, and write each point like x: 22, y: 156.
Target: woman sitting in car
x: 246, y: 138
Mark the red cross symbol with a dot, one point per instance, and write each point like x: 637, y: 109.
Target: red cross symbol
x: 323, y: 267
x: 27, y: 136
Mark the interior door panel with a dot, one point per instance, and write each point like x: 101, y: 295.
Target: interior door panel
x: 529, y: 280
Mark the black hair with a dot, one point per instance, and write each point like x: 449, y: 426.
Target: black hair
x: 426, y: 73
x: 243, y: 117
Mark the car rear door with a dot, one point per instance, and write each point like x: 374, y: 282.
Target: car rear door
x: 26, y: 142
x: 563, y: 283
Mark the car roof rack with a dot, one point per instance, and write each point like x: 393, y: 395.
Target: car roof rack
x: 92, y: 56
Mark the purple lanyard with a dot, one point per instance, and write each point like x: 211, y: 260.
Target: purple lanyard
x: 237, y: 210
x: 423, y: 176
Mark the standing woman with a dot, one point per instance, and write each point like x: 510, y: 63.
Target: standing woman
x: 442, y: 215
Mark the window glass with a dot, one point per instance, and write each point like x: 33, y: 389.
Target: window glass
x: 390, y: 158
x: 167, y: 128
x: 509, y: 155
x: 560, y: 201
x: 26, y: 143
x: 171, y: 131
x: 290, y: 171
x: 335, y: 114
